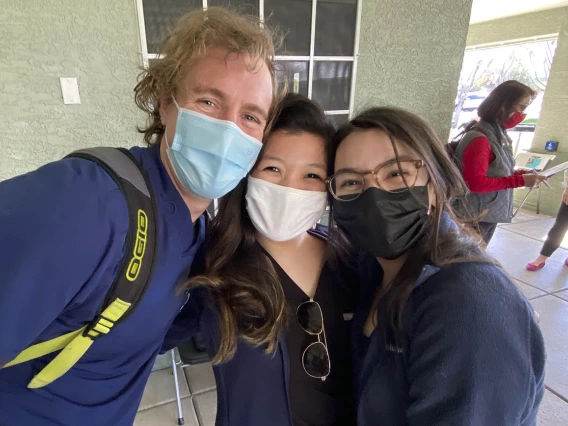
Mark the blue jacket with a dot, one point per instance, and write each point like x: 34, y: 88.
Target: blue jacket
x: 62, y: 234
x: 253, y: 387
x: 471, y: 352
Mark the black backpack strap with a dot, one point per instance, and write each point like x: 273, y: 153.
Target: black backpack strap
x: 135, y: 271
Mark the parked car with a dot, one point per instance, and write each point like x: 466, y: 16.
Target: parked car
x: 473, y: 100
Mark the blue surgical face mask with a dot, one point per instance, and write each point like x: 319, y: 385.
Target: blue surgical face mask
x: 210, y: 156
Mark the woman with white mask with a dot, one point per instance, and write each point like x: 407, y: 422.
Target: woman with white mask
x: 276, y: 300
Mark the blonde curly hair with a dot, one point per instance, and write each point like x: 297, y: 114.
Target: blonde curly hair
x: 194, y: 33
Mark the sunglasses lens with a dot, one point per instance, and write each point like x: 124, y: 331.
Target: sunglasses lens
x: 316, y: 360
x: 310, y: 317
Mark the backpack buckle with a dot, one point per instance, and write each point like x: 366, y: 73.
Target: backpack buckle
x: 99, y: 327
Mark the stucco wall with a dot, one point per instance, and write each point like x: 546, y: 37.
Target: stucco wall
x: 42, y: 40
x: 554, y: 112
x: 411, y: 56
x: 518, y: 27
x: 552, y: 123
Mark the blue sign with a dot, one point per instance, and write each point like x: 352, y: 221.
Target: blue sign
x: 551, y: 146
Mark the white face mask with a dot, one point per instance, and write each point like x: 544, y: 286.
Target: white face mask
x: 281, y: 213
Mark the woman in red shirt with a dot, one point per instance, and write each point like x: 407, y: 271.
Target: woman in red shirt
x: 486, y: 160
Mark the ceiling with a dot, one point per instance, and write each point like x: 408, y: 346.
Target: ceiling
x: 487, y: 10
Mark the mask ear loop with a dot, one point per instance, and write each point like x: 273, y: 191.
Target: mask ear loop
x: 166, y: 138
x: 166, y: 130
x: 175, y: 102
x: 429, y: 204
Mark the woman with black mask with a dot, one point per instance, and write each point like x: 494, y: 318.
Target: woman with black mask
x: 441, y: 335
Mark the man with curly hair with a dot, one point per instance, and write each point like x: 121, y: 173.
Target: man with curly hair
x: 63, y: 227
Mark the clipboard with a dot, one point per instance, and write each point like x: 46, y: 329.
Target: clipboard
x: 533, y: 161
x: 556, y: 169
x: 536, y: 163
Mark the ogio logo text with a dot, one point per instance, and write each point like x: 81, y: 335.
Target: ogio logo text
x: 139, y: 247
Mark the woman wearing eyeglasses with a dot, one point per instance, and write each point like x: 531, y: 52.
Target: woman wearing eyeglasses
x: 276, y: 303
x: 441, y: 335
x: 485, y: 157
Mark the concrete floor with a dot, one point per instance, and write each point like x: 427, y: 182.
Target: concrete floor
x: 513, y: 245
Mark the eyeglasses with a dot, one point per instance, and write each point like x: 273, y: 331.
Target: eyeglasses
x: 523, y: 106
x: 315, y: 358
x: 397, y: 176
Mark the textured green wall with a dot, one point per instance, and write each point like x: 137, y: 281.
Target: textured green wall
x: 518, y: 27
x: 552, y: 123
x: 410, y: 56
x: 554, y: 113
x: 42, y: 40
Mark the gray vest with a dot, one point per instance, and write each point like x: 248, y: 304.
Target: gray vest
x: 493, y: 207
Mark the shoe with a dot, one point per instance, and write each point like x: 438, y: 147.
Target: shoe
x: 534, y: 268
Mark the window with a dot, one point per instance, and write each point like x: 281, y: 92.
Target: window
x: 485, y: 67
x: 319, y: 54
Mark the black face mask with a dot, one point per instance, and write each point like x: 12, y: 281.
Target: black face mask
x: 384, y: 223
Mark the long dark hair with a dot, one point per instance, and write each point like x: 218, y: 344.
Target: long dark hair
x: 459, y: 244
x: 498, y: 106
x: 239, y: 277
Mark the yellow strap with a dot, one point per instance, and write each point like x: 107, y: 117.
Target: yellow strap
x: 72, y: 345
x: 69, y: 355
x: 61, y: 364
x: 45, y: 348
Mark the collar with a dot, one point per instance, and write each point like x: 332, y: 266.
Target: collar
x: 164, y: 188
x: 446, y: 225
x: 493, y: 132
x: 171, y: 206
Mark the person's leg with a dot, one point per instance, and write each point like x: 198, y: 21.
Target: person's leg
x: 557, y: 232
x: 487, y: 229
x: 553, y: 240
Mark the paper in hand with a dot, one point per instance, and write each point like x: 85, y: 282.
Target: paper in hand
x: 556, y: 169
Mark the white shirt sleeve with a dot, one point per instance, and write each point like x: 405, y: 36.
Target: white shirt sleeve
x: 565, y: 183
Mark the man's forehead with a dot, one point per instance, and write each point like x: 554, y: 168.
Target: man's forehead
x: 231, y: 77
x: 217, y: 65
x: 225, y: 59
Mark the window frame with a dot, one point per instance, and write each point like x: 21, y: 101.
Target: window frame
x: 311, y: 58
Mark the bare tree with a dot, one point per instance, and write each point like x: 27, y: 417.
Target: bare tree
x: 465, y: 86
x: 546, y: 65
x: 504, y: 73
